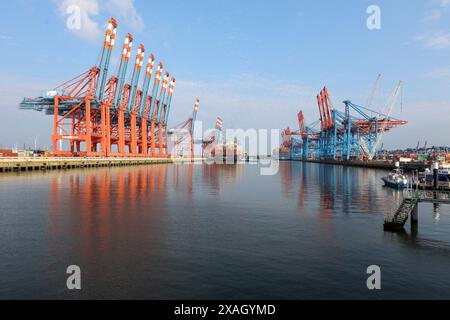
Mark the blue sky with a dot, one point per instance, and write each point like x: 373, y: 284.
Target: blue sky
x: 254, y: 63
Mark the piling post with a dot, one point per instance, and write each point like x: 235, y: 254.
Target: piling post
x: 415, y: 215
x: 436, y: 176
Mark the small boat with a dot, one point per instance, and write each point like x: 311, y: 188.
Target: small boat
x: 396, y: 179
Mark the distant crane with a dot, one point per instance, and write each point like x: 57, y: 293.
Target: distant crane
x: 374, y: 92
x: 183, y: 135
x: 385, y: 123
x: 353, y: 134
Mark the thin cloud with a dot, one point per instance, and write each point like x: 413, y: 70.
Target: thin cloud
x: 5, y: 37
x: 432, y: 16
x: 440, y: 73
x: 126, y: 11
x: 433, y: 36
x: 438, y: 40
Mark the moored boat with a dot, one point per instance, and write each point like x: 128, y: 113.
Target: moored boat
x: 396, y: 179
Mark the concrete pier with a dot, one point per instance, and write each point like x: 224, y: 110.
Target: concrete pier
x: 385, y: 165
x: 38, y: 164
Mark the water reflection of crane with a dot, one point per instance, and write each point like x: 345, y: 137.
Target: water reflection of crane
x: 91, y: 197
x: 183, y: 135
x: 346, y: 188
x: 183, y: 176
x: 216, y: 175
x: 286, y: 176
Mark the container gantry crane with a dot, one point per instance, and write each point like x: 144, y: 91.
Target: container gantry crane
x: 305, y: 141
x: 183, y: 135
x: 99, y: 115
x: 353, y: 134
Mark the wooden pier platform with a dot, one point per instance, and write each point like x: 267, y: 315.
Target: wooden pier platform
x: 53, y: 163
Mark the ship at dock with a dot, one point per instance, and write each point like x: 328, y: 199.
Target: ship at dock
x: 282, y: 153
x: 229, y: 152
x: 396, y: 179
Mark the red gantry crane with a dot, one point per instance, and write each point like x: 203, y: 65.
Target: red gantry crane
x: 101, y: 115
x: 183, y: 135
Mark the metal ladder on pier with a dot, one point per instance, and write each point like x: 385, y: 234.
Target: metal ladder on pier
x: 399, y: 219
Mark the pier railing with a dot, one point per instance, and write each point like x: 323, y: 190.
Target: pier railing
x: 428, y: 196
x: 409, y: 207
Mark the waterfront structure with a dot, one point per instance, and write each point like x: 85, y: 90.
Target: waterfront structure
x: 355, y: 133
x: 101, y: 115
x: 183, y: 135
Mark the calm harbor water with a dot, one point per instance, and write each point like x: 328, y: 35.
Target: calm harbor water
x: 217, y: 232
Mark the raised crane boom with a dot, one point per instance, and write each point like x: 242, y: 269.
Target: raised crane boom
x: 162, y: 97
x: 328, y: 107
x: 169, y: 101
x: 105, y: 59
x: 384, y: 124
x: 148, y: 78
x: 126, y: 54
x: 301, y: 124
x: 135, y: 77
x: 322, y: 116
x: 374, y: 92
x: 156, y: 84
x: 194, y: 114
